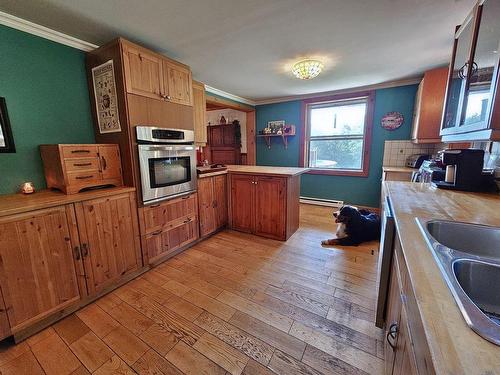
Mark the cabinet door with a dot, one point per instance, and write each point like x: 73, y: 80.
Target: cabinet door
x: 206, y: 204
x: 243, y: 202
x: 199, y: 115
x: 392, y: 319
x: 156, y: 245
x: 37, y: 271
x: 480, y: 87
x: 143, y: 72
x: 110, y: 162
x: 177, y: 81
x: 270, y: 207
x: 404, y: 361
x: 220, y: 192
x: 109, y: 239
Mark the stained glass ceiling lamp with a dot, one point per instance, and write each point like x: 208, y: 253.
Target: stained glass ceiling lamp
x: 307, y: 69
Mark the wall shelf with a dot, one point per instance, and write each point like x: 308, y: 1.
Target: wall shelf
x: 284, y: 137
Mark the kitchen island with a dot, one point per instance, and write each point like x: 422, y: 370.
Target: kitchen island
x: 429, y: 319
x: 264, y: 200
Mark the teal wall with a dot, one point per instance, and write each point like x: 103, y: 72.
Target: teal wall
x: 354, y: 190
x: 45, y: 87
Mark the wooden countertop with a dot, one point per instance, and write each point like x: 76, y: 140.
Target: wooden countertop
x: 399, y: 169
x: 454, y: 347
x: 264, y: 170
x: 17, y: 203
x: 211, y: 174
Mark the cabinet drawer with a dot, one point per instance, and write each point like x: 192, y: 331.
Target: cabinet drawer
x: 84, y: 178
x: 79, y: 151
x: 75, y: 165
x: 158, y: 216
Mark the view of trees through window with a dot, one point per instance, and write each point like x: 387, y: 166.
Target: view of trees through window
x: 336, y: 134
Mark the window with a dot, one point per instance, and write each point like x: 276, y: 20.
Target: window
x: 338, y: 134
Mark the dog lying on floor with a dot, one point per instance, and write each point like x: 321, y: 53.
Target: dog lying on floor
x: 354, y: 226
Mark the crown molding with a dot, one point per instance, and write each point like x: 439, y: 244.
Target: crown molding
x: 227, y: 95
x: 383, y: 85
x: 44, y: 32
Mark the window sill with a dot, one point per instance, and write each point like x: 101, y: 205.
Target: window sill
x: 339, y: 172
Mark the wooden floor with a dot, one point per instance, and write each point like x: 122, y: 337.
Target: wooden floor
x: 233, y: 304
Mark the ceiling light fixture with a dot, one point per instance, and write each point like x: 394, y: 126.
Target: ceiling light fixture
x: 307, y: 69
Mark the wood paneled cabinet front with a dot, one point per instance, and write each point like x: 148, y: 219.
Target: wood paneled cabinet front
x: 212, y: 203
x: 199, y: 113
x: 154, y: 76
x: 168, y: 226
x: 54, y: 257
x: 260, y: 205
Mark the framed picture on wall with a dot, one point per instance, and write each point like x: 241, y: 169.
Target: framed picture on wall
x: 103, y: 77
x: 6, y: 139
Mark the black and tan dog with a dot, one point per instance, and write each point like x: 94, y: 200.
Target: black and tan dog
x: 354, y: 226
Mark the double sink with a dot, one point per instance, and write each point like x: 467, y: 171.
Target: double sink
x: 468, y: 256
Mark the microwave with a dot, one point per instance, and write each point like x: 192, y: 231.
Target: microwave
x: 167, y: 163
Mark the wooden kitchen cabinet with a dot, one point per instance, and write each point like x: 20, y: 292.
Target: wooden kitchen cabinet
x: 167, y: 227
x: 109, y: 236
x: 38, y: 274
x: 199, y: 116
x: 265, y: 205
x: 177, y: 82
x: 428, y: 107
x: 143, y: 71
x: 212, y: 203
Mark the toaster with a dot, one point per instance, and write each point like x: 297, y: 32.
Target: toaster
x: 415, y: 161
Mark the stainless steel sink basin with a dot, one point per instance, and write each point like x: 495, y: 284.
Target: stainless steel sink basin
x: 468, y: 256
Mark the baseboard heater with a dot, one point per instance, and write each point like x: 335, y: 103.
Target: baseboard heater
x: 321, y: 202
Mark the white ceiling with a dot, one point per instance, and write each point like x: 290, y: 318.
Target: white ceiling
x: 245, y: 46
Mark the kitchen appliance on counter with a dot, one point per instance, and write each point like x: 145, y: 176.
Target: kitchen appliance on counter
x: 429, y: 171
x: 464, y: 169
x: 167, y: 161
x: 415, y: 161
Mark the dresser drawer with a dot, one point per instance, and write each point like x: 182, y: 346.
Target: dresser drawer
x: 79, y: 151
x: 84, y: 178
x: 87, y: 164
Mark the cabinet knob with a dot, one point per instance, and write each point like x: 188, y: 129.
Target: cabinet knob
x: 392, y: 333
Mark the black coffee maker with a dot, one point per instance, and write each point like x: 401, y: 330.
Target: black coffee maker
x: 464, y: 169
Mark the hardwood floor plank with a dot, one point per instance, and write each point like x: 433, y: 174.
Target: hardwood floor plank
x: 237, y: 338
x: 358, y: 299
x: 42, y: 335
x: 9, y: 351
x: 284, y: 364
x: 115, y: 366
x: 81, y: 371
x: 255, y: 368
x: 298, y: 299
x: 229, y: 358
x: 203, y: 287
x: 192, y: 362
x: 130, y: 318
x: 260, y: 312
x: 97, y: 320
x: 54, y: 355
x: 269, y: 334
x: 159, y: 339
x: 360, y: 325
x: 152, y: 364
x: 91, y: 351
x: 109, y: 301
x: 184, y: 308
x: 125, y: 344
x: 211, y: 305
x: 158, y: 294
x: 349, y: 354
x: 327, y: 364
x: 26, y: 363
x: 176, y: 288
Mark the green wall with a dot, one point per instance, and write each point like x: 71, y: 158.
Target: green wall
x: 45, y: 87
x: 354, y: 190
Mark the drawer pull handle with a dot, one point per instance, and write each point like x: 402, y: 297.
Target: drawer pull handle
x: 81, y: 164
x: 80, y: 151
x: 154, y: 205
x: 156, y: 232
x: 84, y: 177
x: 186, y: 197
x: 104, y: 164
x: 392, y: 334
x: 77, y: 253
x: 187, y: 221
x: 85, y: 250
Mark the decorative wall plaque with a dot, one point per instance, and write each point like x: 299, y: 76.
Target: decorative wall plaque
x: 392, y: 120
x: 103, y: 77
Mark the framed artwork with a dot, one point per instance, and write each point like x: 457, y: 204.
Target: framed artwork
x: 392, y: 120
x: 6, y: 139
x: 103, y: 77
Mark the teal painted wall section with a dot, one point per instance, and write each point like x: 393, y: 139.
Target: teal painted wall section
x: 45, y: 87
x: 354, y: 190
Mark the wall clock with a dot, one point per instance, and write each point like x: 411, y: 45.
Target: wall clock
x: 392, y: 120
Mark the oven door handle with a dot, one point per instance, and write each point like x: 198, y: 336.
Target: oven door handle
x: 168, y: 148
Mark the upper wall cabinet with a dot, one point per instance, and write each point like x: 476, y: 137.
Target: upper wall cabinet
x: 154, y: 76
x: 199, y: 113
x: 472, y: 106
x: 429, y: 106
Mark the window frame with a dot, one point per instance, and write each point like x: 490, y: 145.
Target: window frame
x: 367, y: 134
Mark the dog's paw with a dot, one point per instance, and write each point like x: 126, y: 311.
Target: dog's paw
x: 328, y: 242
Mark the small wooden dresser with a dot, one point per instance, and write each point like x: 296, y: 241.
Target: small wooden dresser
x: 71, y: 168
